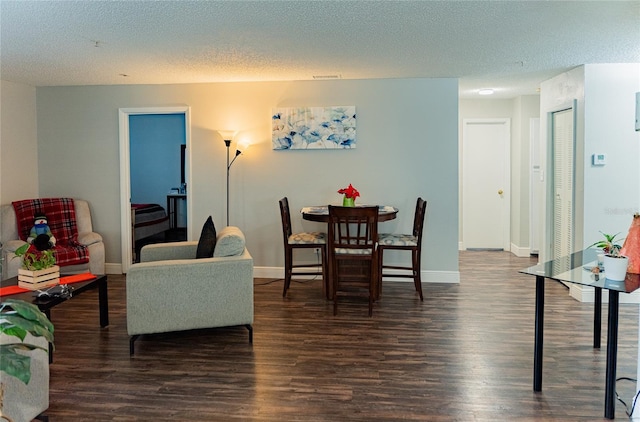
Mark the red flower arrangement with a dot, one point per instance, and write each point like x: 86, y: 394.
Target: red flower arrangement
x: 350, y: 192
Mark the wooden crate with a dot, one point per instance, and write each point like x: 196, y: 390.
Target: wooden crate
x: 34, y: 280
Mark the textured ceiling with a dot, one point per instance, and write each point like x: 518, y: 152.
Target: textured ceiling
x: 510, y: 46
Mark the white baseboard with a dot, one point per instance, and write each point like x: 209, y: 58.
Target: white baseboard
x: 514, y: 249
x: 587, y: 294
x: 110, y: 268
x: 278, y: 272
x: 520, y: 251
x: 427, y: 276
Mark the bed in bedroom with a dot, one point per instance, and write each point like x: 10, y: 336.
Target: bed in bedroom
x: 148, y: 220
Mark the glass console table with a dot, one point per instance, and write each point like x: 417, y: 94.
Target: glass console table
x: 571, y: 269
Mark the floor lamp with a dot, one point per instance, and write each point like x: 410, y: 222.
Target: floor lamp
x: 227, y: 142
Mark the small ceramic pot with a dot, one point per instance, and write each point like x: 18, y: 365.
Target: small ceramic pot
x: 615, y: 268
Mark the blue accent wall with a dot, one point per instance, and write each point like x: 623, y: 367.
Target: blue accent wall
x: 155, y: 141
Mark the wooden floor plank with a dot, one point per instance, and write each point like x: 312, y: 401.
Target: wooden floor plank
x: 464, y: 354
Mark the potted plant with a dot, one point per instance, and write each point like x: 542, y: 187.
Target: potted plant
x: 615, y: 264
x: 39, y: 268
x: 24, y: 391
x: 350, y: 195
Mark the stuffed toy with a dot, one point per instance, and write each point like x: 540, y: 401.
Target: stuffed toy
x: 40, y: 235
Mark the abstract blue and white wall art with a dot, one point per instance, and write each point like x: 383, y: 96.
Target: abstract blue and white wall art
x: 314, y: 128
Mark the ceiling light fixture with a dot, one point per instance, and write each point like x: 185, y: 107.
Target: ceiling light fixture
x: 327, y: 76
x: 486, y: 91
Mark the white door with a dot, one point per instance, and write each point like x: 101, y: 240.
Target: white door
x: 486, y: 184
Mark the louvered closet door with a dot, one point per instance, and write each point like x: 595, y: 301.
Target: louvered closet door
x: 563, y: 181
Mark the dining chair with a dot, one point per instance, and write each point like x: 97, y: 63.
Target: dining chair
x: 352, y: 251
x: 404, y: 242
x: 301, y: 240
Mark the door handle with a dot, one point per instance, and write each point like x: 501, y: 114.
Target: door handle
x: 500, y: 191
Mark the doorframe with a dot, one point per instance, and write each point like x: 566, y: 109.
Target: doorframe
x: 535, y: 198
x: 125, y: 172
x: 546, y: 247
x: 506, y: 235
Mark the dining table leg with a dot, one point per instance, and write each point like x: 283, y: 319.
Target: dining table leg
x: 597, y: 317
x: 612, y: 356
x: 538, y: 336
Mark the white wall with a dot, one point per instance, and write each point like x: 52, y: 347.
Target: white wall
x: 18, y: 142
x: 407, y: 147
x: 611, y: 192
x: 606, y: 197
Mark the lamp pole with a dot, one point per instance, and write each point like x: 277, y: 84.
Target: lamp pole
x: 227, y: 142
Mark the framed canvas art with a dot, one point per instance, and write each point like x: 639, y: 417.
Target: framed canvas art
x: 314, y: 128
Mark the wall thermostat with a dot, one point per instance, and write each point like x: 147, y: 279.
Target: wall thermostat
x: 599, y: 159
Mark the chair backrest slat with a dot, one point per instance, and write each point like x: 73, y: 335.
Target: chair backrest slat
x: 353, y: 227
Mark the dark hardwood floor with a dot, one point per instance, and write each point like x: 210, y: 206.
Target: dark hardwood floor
x: 464, y: 354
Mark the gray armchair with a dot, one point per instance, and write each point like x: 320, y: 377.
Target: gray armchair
x: 170, y: 290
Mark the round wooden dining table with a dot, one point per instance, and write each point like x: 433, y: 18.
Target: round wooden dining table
x: 320, y: 213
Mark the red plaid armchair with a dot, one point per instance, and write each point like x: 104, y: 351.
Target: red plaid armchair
x: 78, y: 248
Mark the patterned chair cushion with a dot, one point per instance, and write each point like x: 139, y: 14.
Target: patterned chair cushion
x: 304, y: 238
x: 392, y: 239
x: 345, y: 251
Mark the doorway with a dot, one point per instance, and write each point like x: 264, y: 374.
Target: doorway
x: 158, y: 190
x: 127, y: 232
x: 486, y: 208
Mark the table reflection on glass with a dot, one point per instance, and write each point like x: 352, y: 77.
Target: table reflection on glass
x: 576, y: 269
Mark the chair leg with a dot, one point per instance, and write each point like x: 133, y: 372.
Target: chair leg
x: 250, y: 328
x: 288, y: 262
x: 132, y: 340
x: 334, y: 294
x: 379, y: 290
x: 372, y: 293
x: 325, y: 273
x: 417, y: 278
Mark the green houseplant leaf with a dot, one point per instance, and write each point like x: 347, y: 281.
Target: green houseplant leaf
x: 16, y: 364
x: 17, y: 318
x: 609, y: 245
x: 38, y: 260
